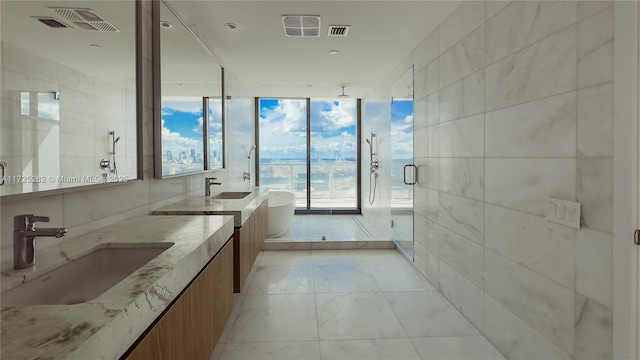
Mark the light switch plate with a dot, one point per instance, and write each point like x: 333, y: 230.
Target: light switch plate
x: 563, y: 212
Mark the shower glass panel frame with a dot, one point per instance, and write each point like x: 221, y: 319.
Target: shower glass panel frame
x: 403, y: 169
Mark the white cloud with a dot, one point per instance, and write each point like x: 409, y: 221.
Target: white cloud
x: 176, y: 143
x: 341, y: 114
x: 187, y: 105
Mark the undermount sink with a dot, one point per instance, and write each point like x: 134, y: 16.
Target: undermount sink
x: 231, y: 195
x: 83, y: 279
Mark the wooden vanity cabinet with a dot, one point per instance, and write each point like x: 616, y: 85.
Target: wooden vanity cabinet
x: 247, y: 243
x: 192, y: 325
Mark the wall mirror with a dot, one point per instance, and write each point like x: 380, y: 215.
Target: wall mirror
x: 69, y: 99
x: 188, y: 105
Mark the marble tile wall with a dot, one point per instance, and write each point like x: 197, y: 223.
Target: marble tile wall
x: 83, y: 211
x: 88, y: 109
x: 521, y: 110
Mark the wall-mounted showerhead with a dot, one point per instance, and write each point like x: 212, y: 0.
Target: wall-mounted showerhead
x: 253, y: 147
x: 116, y: 140
x: 368, y: 142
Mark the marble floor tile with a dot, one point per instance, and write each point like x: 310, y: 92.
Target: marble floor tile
x: 336, y: 257
x: 428, y: 314
x: 354, y: 277
x: 399, y: 277
x: 387, y: 256
x: 388, y: 349
x: 352, y: 316
x: 456, y: 348
x: 290, y: 317
x: 282, y: 280
x: 296, y: 350
x: 285, y: 258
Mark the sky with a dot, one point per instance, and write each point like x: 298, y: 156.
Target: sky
x: 402, y: 129
x: 283, y: 128
x: 182, y: 125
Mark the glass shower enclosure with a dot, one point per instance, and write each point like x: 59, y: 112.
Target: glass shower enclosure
x: 403, y: 170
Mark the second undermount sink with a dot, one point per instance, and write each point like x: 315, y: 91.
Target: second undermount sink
x: 231, y: 195
x: 83, y: 279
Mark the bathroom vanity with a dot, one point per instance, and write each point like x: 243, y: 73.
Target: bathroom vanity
x: 175, y: 304
x: 250, y: 214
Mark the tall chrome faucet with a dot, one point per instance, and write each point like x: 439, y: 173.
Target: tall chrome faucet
x: 24, y: 234
x: 208, y: 181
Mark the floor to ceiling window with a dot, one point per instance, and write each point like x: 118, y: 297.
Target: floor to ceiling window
x: 310, y: 147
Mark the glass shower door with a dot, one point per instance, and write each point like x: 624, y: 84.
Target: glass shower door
x: 402, y: 168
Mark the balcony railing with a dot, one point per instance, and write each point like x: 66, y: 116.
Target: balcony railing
x: 333, y: 185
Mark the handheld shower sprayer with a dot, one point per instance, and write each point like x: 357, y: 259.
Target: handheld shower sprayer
x: 253, y: 147
x: 247, y: 175
x: 373, y: 168
x: 114, y: 140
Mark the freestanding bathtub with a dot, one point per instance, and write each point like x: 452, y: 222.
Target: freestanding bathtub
x: 282, y: 206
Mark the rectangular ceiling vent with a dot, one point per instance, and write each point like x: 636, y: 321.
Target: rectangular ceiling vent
x: 85, y: 19
x: 52, y: 23
x: 301, y: 25
x: 338, y: 30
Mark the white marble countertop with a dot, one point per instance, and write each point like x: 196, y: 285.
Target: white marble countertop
x: 107, y: 326
x: 241, y: 209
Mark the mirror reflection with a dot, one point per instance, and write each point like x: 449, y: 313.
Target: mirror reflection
x: 191, y: 101
x: 68, y: 91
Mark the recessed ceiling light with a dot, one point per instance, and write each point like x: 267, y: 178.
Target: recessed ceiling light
x: 333, y: 52
x: 166, y: 24
x: 95, y: 46
x: 231, y: 26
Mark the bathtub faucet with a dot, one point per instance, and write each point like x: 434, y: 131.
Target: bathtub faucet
x: 207, y: 185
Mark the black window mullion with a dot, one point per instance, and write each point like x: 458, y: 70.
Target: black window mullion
x: 308, y: 154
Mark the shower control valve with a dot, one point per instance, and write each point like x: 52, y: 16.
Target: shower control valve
x: 374, y: 166
x: 105, y: 164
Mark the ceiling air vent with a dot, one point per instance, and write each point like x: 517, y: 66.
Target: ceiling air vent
x: 52, y: 23
x: 338, y: 30
x: 301, y: 25
x: 85, y: 19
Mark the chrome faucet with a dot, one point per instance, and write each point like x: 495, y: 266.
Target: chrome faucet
x: 207, y: 184
x: 24, y: 234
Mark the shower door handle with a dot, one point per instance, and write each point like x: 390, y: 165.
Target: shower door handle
x: 3, y: 166
x: 404, y: 175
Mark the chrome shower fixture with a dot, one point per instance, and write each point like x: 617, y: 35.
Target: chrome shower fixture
x: 253, y: 147
x: 373, y: 167
x: 114, y: 140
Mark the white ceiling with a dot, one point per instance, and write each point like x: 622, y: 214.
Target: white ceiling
x: 114, y: 61
x: 382, y: 34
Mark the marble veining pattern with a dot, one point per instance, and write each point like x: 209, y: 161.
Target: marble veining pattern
x: 523, y: 23
x: 544, y: 304
x: 464, y: 58
x: 463, y: 293
x: 595, y: 48
x: 109, y: 324
x: 515, y: 338
x: 241, y: 209
x: 543, y: 128
x: 546, y: 68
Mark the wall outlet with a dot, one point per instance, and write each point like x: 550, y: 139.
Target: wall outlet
x: 563, y: 212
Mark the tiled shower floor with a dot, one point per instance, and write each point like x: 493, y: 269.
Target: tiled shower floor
x: 346, y: 304
x: 332, y: 227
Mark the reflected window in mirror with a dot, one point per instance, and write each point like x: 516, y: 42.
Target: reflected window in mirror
x: 182, y: 135
x: 216, y: 134
x: 64, y: 90
x: 190, y: 94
